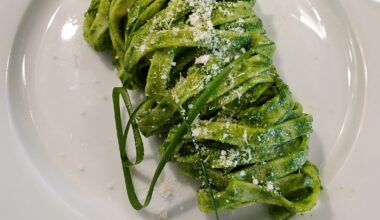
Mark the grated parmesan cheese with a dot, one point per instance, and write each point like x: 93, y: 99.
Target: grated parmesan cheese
x: 163, y: 214
x: 245, y: 136
x: 202, y: 59
x: 196, y: 131
x: 255, y: 181
x: 242, y: 173
x: 142, y: 48
x: 270, y: 186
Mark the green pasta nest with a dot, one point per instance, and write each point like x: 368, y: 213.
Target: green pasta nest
x: 212, y: 91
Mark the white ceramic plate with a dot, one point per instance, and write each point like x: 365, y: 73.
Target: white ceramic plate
x: 59, y: 156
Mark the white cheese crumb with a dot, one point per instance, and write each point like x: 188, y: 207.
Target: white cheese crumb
x: 248, y: 152
x: 163, y: 214
x: 238, y: 30
x: 270, y: 186
x: 245, y: 136
x: 165, y: 191
x: 196, y: 131
x: 142, y: 48
x: 176, y: 99
x: 202, y: 59
x: 243, y: 173
x: 227, y: 124
x: 240, y: 20
x: 195, y: 20
x: 255, y: 181
x: 238, y: 94
x: 225, y: 135
x: 259, y: 138
x: 232, y: 80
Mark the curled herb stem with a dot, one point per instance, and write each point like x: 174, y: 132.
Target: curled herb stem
x: 181, y: 131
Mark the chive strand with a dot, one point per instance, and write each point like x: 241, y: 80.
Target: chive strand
x: 181, y: 131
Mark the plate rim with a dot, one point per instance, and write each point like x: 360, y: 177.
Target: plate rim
x: 6, y: 45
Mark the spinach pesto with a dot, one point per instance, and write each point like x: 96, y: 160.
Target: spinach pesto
x: 212, y: 91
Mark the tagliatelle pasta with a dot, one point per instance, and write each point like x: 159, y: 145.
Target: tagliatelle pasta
x: 212, y: 91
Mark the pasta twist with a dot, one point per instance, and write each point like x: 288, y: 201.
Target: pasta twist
x: 212, y: 90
